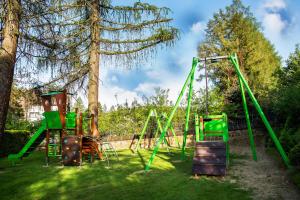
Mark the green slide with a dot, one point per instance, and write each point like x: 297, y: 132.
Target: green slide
x: 34, y: 141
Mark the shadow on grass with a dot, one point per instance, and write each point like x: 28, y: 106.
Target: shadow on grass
x: 142, y: 159
x: 167, y: 180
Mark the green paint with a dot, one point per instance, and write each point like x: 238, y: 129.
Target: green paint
x: 164, y: 115
x: 234, y: 61
x: 153, y: 113
x: 71, y: 120
x: 215, y: 126
x: 250, y: 134
x: 53, y: 120
x: 187, y: 117
x: 27, y: 146
x: 52, y: 93
x: 194, y: 65
x: 144, y: 130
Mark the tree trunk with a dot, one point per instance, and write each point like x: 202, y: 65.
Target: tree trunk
x: 94, y: 58
x: 8, y: 56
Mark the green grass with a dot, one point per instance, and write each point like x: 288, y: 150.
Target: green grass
x: 125, y: 179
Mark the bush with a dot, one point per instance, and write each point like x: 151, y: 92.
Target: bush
x: 12, y: 141
x: 287, y: 139
x: 294, y: 155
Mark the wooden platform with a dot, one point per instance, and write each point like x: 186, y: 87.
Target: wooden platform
x: 209, y: 158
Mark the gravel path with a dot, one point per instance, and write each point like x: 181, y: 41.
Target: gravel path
x: 265, y: 177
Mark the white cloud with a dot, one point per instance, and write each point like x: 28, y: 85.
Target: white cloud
x: 113, y: 95
x: 275, y: 4
x: 114, y: 79
x: 273, y: 24
x: 146, y: 88
x: 197, y: 27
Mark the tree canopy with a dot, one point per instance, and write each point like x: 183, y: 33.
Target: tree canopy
x: 235, y: 29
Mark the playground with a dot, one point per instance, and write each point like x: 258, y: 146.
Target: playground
x: 210, y: 115
x: 167, y: 180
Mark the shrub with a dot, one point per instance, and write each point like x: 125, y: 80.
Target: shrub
x: 287, y: 139
x: 12, y: 141
x: 294, y: 155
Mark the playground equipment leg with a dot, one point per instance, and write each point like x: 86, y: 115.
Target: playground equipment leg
x: 187, y: 117
x: 143, y: 131
x: 172, y: 130
x: 197, y: 128
x: 174, y: 135
x: 194, y: 65
x: 234, y: 61
x: 201, y: 128
x: 250, y: 133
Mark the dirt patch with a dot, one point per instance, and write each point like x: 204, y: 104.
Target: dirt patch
x: 265, y: 177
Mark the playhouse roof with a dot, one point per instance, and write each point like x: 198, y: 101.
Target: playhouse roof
x: 52, y: 93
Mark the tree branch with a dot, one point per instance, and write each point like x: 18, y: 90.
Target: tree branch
x: 39, y: 41
x: 135, y: 26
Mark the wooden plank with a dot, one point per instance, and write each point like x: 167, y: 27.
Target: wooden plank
x: 217, y: 170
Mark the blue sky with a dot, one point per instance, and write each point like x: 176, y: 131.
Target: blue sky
x: 279, y: 21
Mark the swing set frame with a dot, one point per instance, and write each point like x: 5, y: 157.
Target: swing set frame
x: 243, y: 85
x: 153, y: 113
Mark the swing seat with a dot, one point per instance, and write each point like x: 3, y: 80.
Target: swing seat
x: 211, y: 157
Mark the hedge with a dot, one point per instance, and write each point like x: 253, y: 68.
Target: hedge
x: 12, y: 141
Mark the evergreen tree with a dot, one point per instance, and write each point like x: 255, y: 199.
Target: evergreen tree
x: 287, y: 95
x: 120, y: 34
x: 25, y: 34
x: 234, y: 29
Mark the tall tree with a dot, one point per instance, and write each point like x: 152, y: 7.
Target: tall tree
x: 121, y: 35
x: 8, y: 52
x: 234, y: 29
x: 287, y: 95
x: 25, y: 34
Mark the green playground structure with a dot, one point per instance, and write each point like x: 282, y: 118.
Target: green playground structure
x: 159, y: 119
x: 52, y: 121
x: 63, y: 134
x: 212, y: 126
x: 216, y: 125
x: 34, y: 141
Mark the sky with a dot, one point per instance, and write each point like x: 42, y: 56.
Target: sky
x: 279, y: 19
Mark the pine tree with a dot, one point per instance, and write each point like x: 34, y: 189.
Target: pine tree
x: 122, y: 35
x: 235, y: 29
x: 287, y: 95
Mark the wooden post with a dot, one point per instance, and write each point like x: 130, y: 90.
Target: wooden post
x: 76, y: 122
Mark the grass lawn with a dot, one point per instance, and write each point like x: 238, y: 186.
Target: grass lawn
x: 125, y: 179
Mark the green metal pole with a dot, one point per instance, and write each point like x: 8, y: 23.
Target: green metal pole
x: 250, y: 133
x: 172, y: 130
x: 174, y: 135
x: 234, y: 61
x: 197, y: 128
x: 159, y: 126
x: 144, y: 130
x: 187, y: 117
x: 226, y: 137
x: 195, y: 62
x: 158, y: 123
x: 156, y: 132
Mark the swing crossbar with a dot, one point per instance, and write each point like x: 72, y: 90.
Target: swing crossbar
x: 213, y: 58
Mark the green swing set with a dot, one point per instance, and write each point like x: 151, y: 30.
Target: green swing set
x: 216, y: 125
x: 158, y: 118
